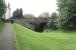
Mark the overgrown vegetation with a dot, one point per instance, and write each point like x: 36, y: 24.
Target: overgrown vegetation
x: 2, y: 8
x: 2, y: 11
x: 67, y: 13
x: 1, y: 25
x: 53, y: 23
x: 57, y: 40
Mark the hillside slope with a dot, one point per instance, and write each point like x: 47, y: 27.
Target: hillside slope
x: 29, y: 40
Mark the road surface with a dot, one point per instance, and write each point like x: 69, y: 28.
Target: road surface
x: 7, y: 41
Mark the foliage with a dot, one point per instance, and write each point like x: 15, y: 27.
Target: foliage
x: 56, y: 40
x: 18, y: 13
x: 67, y: 13
x: 2, y: 8
x: 21, y: 12
x: 53, y: 24
x: 1, y: 25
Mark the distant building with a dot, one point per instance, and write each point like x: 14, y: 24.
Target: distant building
x: 7, y: 14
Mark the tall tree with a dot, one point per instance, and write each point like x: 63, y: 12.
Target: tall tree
x: 67, y: 13
x: 53, y: 24
x: 2, y: 8
x: 18, y: 13
x: 21, y: 12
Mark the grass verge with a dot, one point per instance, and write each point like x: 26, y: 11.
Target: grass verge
x: 1, y: 25
x: 29, y: 40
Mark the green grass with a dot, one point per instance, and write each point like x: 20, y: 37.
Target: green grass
x: 29, y: 40
x: 1, y: 26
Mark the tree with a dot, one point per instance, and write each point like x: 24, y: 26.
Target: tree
x: 18, y: 13
x: 21, y: 12
x: 2, y: 8
x: 53, y: 24
x: 67, y: 13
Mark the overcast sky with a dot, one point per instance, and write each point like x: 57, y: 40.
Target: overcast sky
x: 33, y: 6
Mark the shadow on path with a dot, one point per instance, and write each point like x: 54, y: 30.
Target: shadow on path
x: 6, y: 38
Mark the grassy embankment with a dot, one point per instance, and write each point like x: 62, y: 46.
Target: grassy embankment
x: 29, y: 40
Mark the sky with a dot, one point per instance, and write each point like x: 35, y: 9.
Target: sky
x: 34, y: 7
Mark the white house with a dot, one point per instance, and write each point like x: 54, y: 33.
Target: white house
x: 7, y: 14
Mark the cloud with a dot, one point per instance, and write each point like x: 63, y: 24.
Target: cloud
x: 33, y: 6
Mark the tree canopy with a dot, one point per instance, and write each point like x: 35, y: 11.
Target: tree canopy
x: 18, y: 13
x: 67, y: 13
x: 2, y: 7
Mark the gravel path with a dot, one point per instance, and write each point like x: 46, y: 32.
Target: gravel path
x: 7, y: 42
